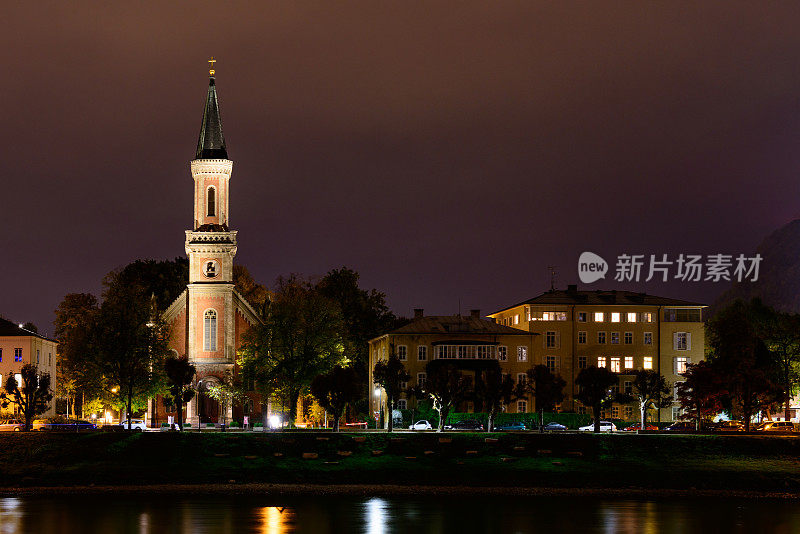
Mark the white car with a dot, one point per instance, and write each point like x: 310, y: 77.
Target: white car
x: 136, y: 424
x: 421, y: 425
x: 605, y: 426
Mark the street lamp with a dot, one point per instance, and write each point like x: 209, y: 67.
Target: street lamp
x: 379, y: 422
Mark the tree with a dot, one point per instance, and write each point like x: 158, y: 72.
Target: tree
x: 700, y: 395
x: 226, y: 392
x: 651, y: 390
x: 595, y: 385
x: 301, y: 337
x: 546, y: 388
x: 253, y: 292
x: 32, y: 397
x: 179, y: 375
x: 495, y: 390
x: 390, y: 375
x: 743, y: 360
x: 445, y: 385
x: 335, y: 389
x: 781, y: 335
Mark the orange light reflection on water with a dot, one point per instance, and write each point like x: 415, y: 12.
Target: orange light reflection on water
x: 276, y: 520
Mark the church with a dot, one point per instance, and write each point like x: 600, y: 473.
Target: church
x: 208, y: 319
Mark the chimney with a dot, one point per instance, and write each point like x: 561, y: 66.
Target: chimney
x: 475, y: 314
x: 418, y: 313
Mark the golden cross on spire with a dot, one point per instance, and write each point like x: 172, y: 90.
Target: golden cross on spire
x: 211, y: 66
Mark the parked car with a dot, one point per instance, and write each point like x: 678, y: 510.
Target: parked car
x: 681, y: 426
x: 511, y: 425
x: 71, y: 425
x: 42, y: 424
x: 776, y: 426
x: 638, y: 426
x: 552, y: 426
x: 11, y: 425
x: 728, y: 426
x: 136, y: 424
x: 467, y: 424
x: 422, y: 424
x: 605, y: 426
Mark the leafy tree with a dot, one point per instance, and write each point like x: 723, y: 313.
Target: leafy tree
x: 301, y: 337
x: 595, y: 385
x: 226, y: 392
x: 546, y: 388
x: 495, y: 390
x: 335, y: 389
x: 650, y: 390
x: 700, y: 395
x: 179, y: 375
x: 76, y: 316
x: 247, y: 287
x: 32, y: 397
x: 165, y: 280
x: 390, y: 374
x: 781, y: 335
x: 445, y: 385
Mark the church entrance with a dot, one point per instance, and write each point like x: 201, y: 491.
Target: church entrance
x: 208, y: 408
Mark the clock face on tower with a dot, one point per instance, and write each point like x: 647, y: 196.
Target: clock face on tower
x: 211, y: 269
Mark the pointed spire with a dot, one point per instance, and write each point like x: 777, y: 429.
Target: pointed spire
x: 211, y: 144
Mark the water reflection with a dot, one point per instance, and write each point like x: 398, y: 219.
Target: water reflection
x: 276, y: 520
x: 375, y: 516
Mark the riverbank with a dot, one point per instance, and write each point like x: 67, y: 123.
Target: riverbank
x: 413, y: 462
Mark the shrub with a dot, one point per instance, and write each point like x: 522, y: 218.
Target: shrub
x: 209, y: 425
x: 258, y: 425
x: 234, y: 424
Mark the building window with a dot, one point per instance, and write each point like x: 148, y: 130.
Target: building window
x: 615, y: 338
x: 681, y: 363
x: 401, y: 404
x: 421, y: 377
x: 646, y: 317
x: 615, y: 368
x: 598, y: 317
x: 631, y: 317
x: 1, y: 359
x: 628, y: 362
x: 37, y: 356
x: 422, y: 353
x: 648, y: 338
x: 681, y: 341
x: 522, y: 406
x: 615, y: 317
x: 628, y: 387
x: 522, y: 354
x: 581, y: 317
x: 582, y: 361
x: 601, y: 337
x: 502, y: 353
x: 210, y: 331
x: 676, y: 413
x: 49, y: 358
x: 551, y: 316
x: 485, y: 352
x: 521, y: 378
x: 628, y: 338
x: 404, y: 385
x: 211, y: 194
x: 551, y: 340
x: 615, y: 412
x: 552, y: 363
x: 402, y: 353
x: 681, y: 315
x: 18, y: 379
x: 628, y: 412
x: 582, y: 337
x: 648, y: 362
x: 601, y: 361
x: 516, y: 319
x: 581, y: 409
x: 18, y: 355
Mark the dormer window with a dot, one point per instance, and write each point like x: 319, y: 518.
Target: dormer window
x: 211, y: 196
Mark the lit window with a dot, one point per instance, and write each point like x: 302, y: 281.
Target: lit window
x: 615, y: 365
x: 598, y: 317
x: 581, y: 317
x: 648, y: 338
x: 422, y: 353
x: 552, y: 316
x: 18, y: 378
x: 648, y: 362
x: 629, y: 338
x: 516, y: 319
x: 421, y: 377
x: 582, y: 337
x: 18, y: 355
x: 402, y: 353
x: 615, y: 317
x: 582, y: 360
x: 502, y: 353
x: 601, y: 361
x: 522, y: 406
x: 522, y: 354
x: 615, y: 338
x: 681, y: 363
x: 628, y: 362
x: 551, y: 340
x: 210, y: 331
x: 647, y: 317
x: 631, y: 317
x: 212, y: 202
x: 601, y: 337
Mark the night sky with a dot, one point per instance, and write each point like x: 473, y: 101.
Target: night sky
x: 446, y: 151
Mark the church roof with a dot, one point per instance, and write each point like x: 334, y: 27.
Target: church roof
x: 211, y: 144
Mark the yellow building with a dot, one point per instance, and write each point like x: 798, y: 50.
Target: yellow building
x: 19, y: 346
x: 621, y: 330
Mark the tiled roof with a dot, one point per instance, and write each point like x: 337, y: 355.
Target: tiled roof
x: 456, y: 324
x: 601, y: 298
x: 9, y: 329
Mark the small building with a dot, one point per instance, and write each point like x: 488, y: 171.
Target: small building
x: 19, y: 346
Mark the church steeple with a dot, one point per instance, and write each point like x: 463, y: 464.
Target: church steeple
x: 211, y: 144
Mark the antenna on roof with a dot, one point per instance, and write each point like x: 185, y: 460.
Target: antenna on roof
x: 552, y: 270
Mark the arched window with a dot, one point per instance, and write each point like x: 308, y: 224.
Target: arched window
x: 210, y: 331
x: 211, y: 195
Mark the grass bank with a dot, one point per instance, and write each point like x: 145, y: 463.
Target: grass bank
x: 665, y: 462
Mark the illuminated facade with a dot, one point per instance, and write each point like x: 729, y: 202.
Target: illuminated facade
x: 19, y: 346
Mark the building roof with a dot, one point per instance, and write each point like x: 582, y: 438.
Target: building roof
x: 572, y: 296
x: 9, y: 329
x: 456, y: 324
x: 211, y: 144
